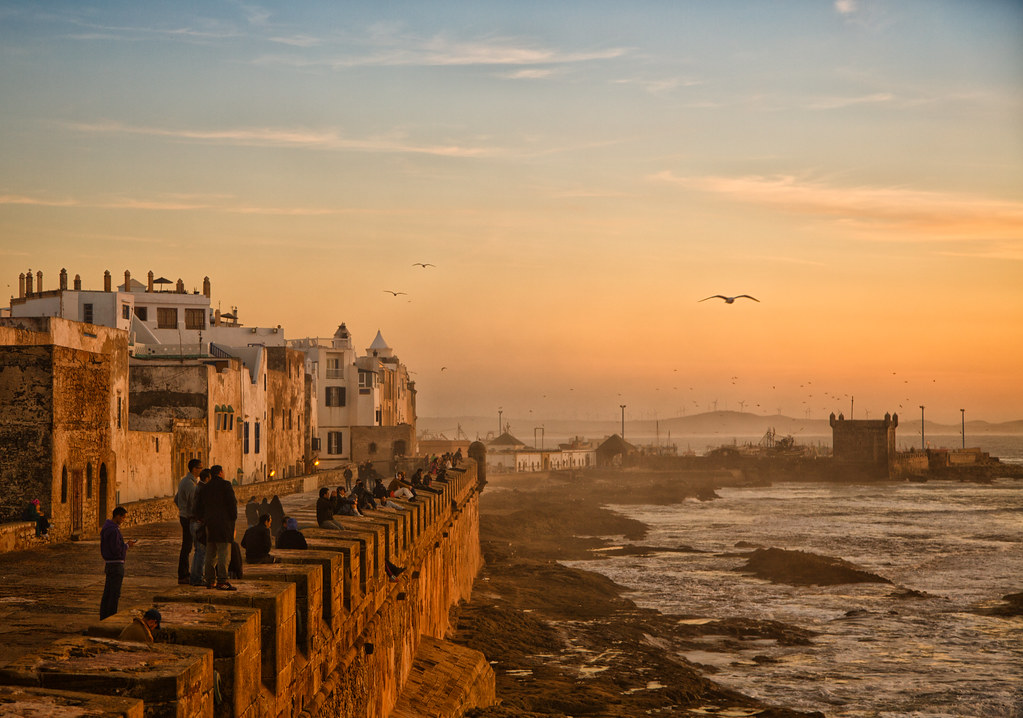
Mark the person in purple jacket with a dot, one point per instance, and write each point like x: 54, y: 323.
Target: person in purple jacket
x: 113, y: 548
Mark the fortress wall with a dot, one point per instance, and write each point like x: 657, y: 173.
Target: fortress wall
x: 313, y: 655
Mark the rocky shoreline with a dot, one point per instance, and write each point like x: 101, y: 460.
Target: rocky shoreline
x: 564, y: 641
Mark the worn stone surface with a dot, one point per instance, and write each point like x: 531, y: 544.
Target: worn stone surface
x: 308, y: 582
x: 446, y: 681
x: 26, y: 701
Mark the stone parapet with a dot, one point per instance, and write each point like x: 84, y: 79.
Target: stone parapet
x: 18, y: 536
x: 22, y: 701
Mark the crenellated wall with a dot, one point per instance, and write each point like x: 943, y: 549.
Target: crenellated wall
x: 320, y: 633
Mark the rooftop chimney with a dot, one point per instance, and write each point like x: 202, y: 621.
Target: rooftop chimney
x: 149, y: 285
x: 63, y: 279
x: 106, y: 281
x: 206, y: 286
x: 39, y: 281
x: 78, y: 282
x: 28, y: 284
x: 21, y: 286
x: 127, y: 281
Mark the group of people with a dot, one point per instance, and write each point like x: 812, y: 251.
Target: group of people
x: 208, y: 511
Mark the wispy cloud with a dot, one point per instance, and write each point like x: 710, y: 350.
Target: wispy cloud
x: 659, y: 86
x: 297, y: 138
x: 297, y: 40
x: 215, y: 203
x: 845, y: 7
x: 440, y: 51
x: 873, y: 212
x: 529, y: 74
x: 835, y: 103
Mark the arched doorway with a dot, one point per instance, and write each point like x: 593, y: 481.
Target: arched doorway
x: 102, y: 506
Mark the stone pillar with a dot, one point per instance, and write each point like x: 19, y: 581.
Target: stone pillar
x: 149, y: 284
x: 127, y: 281
x: 206, y: 287
x: 21, y: 286
x: 78, y: 282
x: 216, y: 317
x: 28, y: 284
x: 106, y: 281
x: 63, y: 279
x: 39, y: 281
x: 478, y: 453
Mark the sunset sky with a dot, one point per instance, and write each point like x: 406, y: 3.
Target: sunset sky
x: 580, y: 173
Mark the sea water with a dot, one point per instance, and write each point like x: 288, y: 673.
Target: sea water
x: 875, y: 655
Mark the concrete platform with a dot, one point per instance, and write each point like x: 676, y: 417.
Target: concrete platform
x: 233, y: 633
x: 171, y: 680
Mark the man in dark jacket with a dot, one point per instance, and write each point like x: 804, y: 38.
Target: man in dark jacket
x: 217, y: 506
x: 325, y: 511
x: 364, y: 499
x: 113, y: 548
x: 258, y: 542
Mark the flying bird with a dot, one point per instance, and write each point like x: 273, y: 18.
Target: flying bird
x: 730, y: 300
x: 443, y: 368
x: 424, y: 265
x: 394, y: 293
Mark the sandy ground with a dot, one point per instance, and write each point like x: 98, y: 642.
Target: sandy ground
x: 564, y: 642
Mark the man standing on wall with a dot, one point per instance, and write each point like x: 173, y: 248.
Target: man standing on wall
x: 218, y: 508
x: 113, y: 548
x: 184, y: 500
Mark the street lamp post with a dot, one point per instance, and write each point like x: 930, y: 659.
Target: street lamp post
x: 962, y: 412
x: 923, y: 444
x: 623, y: 421
x: 500, y: 410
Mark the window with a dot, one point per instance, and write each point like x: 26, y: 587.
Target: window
x: 272, y: 419
x: 257, y: 438
x: 335, y: 396
x: 63, y: 485
x: 372, y: 447
x: 378, y: 416
x: 245, y: 439
x: 87, y: 313
x: 142, y: 313
x: 166, y: 318
x: 125, y: 311
x: 365, y: 380
x: 195, y: 319
x: 88, y: 480
x: 119, y: 400
x: 333, y: 442
x: 316, y: 443
x: 334, y: 370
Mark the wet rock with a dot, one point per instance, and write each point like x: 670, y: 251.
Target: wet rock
x: 910, y: 593
x: 1013, y: 606
x: 801, y: 568
x: 633, y: 550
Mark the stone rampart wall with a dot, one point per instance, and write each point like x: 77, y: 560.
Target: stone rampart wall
x: 320, y: 633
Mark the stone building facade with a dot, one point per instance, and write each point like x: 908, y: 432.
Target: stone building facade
x: 64, y: 424
x: 868, y: 445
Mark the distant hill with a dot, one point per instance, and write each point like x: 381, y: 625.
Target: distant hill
x: 709, y: 424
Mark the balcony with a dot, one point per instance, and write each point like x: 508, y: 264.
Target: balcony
x: 335, y: 373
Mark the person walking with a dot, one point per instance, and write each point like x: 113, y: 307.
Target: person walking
x: 113, y: 548
x: 348, y: 477
x: 185, y: 498
x: 218, y: 508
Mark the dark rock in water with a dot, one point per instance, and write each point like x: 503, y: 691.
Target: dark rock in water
x: 909, y: 593
x: 633, y: 550
x: 747, y: 544
x: 856, y: 613
x: 1013, y: 606
x: 763, y: 660
x: 801, y: 568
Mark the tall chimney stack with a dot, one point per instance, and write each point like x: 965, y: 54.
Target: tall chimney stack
x: 39, y: 281
x: 127, y: 281
x: 78, y: 282
x: 206, y: 286
x: 21, y: 286
x: 149, y: 285
x: 106, y: 281
x: 63, y: 279
x: 28, y: 284
x: 180, y: 286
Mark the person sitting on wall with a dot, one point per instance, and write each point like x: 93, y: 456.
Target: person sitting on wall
x: 140, y: 630
x: 325, y: 511
x: 364, y: 499
x: 291, y: 537
x: 257, y: 542
x: 380, y: 491
x: 401, y: 489
x: 35, y: 513
x: 345, y: 504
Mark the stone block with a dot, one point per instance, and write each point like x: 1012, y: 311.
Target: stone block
x: 332, y: 565
x: 308, y: 582
x: 276, y: 604
x: 233, y: 633
x: 355, y: 549
x: 170, y: 680
x: 23, y: 701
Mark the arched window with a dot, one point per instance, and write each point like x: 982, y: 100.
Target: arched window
x: 372, y: 447
x: 88, y: 480
x: 63, y: 485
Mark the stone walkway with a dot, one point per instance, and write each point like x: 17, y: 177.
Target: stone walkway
x: 54, y: 591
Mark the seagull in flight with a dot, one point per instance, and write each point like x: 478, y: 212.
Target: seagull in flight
x: 394, y: 293
x: 730, y: 300
x: 424, y: 265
